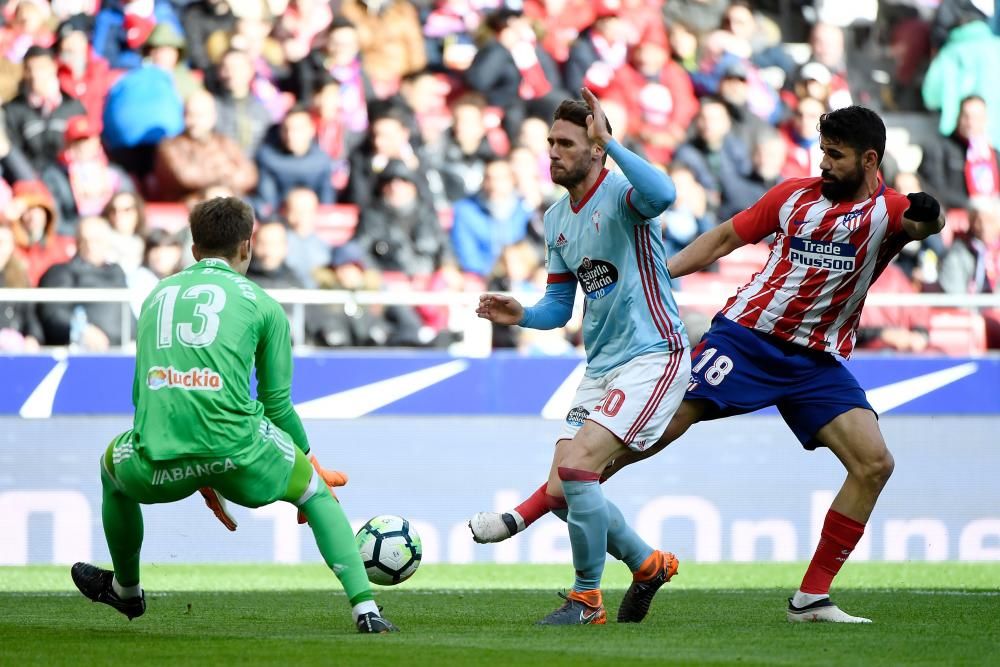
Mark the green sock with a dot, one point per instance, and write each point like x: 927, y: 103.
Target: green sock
x: 335, y: 540
x: 122, y: 519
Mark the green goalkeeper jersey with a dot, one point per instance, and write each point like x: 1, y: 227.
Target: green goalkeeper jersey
x: 201, y: 333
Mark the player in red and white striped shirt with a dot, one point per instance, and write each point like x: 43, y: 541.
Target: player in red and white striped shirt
x: 776, y: 341
x: 825, y: 256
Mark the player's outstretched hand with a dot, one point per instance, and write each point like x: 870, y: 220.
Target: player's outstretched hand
x: 332, y: 478
x: 499, y: 309
x: 597, y: 122
x: 217, y: 504
x: 923, y: 207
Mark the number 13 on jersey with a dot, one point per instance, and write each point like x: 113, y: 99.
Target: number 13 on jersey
x: 209, y: 302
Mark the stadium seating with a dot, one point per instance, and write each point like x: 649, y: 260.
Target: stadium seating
x: 166, y: 215
x: 957, y: 332
x: 336, y: 222
x: 717, y: 287
x: 957, y: 222
x: 743, y: 262
x: 428, y: 105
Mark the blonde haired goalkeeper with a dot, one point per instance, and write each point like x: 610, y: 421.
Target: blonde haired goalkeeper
x: 201, y: 333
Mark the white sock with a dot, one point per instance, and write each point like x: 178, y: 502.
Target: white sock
x: 801, y: 599
x: 125, y: 592
x: 518, y: 519
x: 366, y: 607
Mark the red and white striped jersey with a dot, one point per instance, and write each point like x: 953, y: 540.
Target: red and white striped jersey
x: 824, y: 257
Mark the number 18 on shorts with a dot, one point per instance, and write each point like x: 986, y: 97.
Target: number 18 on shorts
x: 635, y: 401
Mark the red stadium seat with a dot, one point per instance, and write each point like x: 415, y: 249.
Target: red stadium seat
x: 496, y: 137
x: 957, y: 332
x: 170, y: 216
x: 956, y: 222
x: 751, y: 253
x: 335, y: 223
x: 718, y: 286
x: 474, y: 282
x: 446, y: 216
x: 395, y: 280
x: 743, y: 262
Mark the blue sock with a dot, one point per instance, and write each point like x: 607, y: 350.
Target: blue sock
x: 588, y: 528
x: 623, y: 542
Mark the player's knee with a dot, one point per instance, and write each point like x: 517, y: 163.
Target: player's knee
x: 583, y: 454
x: 304, y: 487
x: 877, y: 470
x: 882, y: 469
x: 573, y: 457
x: 108, y: 483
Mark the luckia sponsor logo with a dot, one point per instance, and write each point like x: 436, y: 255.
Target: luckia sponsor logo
x: 196, y: 379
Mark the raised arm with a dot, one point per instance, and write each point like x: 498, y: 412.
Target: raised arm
x: 652, y: 190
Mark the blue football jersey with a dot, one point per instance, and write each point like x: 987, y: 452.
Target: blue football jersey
x: 619, y: 260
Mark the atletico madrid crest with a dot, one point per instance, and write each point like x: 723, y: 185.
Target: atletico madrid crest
x: 852, y: 220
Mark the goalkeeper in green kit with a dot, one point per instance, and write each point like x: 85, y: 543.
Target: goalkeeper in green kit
x: 200, y: 335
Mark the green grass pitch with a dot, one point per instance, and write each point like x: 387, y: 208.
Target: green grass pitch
x: 482, y: 614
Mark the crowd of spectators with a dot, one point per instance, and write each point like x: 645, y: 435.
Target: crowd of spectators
x: 429, y: 119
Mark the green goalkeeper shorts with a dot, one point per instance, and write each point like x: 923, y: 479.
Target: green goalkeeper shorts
x: 256, y: 475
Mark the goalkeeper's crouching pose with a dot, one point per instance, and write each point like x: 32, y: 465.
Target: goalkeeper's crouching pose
x: 201, y: 332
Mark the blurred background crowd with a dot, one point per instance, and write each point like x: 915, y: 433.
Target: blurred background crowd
x: 401, y: 144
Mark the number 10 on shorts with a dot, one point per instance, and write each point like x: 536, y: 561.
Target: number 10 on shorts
x: 719, y: 369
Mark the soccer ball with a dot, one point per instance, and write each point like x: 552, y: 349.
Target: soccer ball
x: 390, y: 549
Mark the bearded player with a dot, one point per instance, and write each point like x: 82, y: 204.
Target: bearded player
x: 602, y: 235
x: 777, y: 340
